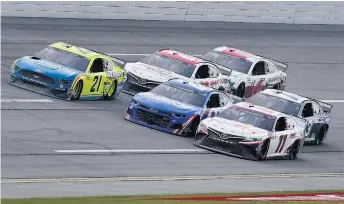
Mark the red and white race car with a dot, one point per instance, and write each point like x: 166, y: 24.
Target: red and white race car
x: 250, y: 73
x: 167, y: 64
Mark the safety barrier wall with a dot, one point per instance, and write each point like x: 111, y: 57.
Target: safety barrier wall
x: 259, y: 12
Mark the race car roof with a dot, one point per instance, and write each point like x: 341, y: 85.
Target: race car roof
x: 176, y: 55
x: 189, y: 85
x: 234, y: 52
x: 285, y: 95
x: 259, y: 109
x: 75, y: 49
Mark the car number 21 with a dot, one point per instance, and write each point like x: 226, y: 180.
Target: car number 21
x: 96, y: 83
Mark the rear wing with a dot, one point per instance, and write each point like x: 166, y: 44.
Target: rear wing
x: 280, y: 65
x: 119, y: 62
x: 326, y: 106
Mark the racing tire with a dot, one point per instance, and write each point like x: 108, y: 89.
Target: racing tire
x: 193, y: 127
x: 320, y: 136
x: 241, y: 90
x: 76, y: 92
x: 264, y: 150
x: 277, y: 86
x: 112, y: 91
x: 294, y: 150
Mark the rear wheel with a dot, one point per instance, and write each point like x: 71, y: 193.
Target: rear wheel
x: 241, y: 90
x: 320, y: 137
x: 277, y: 86
x: 112, y: 91
x: 76, y: 92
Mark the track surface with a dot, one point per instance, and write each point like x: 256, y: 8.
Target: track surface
x: 32, y: 131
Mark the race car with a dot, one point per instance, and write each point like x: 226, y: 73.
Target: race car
x: 317, y: 113
x: 251, y: 132
x: 250, y: 73
x: 177, y: 106
x: 69, y: 72
x: 167, y: 64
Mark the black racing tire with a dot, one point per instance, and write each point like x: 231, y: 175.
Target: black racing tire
x: 320, y: 136
x: 110, y: 97
x: 78, y: 89
x: 193, y: 127
x: 241, y: 90
x: 277, y: 86
x: 294, y: 150
x: 264, y: 150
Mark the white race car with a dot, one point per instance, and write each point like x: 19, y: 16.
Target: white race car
x: 251, y: 132
x: 250, y: 73
x: 166, y: 64
x: 317, y: 113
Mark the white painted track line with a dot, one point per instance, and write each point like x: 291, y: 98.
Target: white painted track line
x: 171, y: 178
x: 26, y: 100
x: 137, y: 151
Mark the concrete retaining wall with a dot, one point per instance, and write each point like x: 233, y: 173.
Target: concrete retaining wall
x: 258, y: 12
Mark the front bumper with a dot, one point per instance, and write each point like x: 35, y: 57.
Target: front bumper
x: 157, y: 120
x: 60, y: 93
x: 230, y: 147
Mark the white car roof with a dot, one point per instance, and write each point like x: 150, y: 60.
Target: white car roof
x: 285, y: 95
x: 260, y: 109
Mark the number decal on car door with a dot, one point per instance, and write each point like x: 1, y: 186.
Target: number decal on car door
x: 282, y: 140
x: 96, y: 83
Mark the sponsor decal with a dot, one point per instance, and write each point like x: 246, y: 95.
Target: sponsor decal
x: 113, y: 74
x: 328, y: 197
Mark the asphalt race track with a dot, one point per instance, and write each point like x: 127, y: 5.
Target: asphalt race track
x: 33, y: 131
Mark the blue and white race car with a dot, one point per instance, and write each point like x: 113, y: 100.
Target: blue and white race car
x: 177, y: 106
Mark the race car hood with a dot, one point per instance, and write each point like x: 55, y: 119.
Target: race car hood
x: 164, y: 104
x: 234, y: 128
x: 47, y: 68
x: 151, y: 73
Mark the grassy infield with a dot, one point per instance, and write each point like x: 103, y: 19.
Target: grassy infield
x: 138, y: 199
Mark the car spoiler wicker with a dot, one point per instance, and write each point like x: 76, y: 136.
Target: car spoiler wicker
x: 280, y: 65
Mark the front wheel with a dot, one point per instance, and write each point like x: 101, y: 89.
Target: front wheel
x: 264, y: 150
x: 193, y: 127
x: 76, y: 92
x: 294, y: 150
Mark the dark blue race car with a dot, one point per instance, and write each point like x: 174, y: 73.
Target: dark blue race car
x: 177, y: 106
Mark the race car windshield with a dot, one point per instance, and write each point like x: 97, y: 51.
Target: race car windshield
x: 169, y: 64
x: 63, y: 58
x: 178, y: 94
x: 275, y: 103
x: 250, y: 117
x: 237, y: 64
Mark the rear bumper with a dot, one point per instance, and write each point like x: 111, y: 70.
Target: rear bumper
x: 37, y: 88
x: 229, y: 147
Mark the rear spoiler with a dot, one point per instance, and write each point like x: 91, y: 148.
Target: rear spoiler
x: 325, y: 106
x: 119, y: 62
x: 280, y: 65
